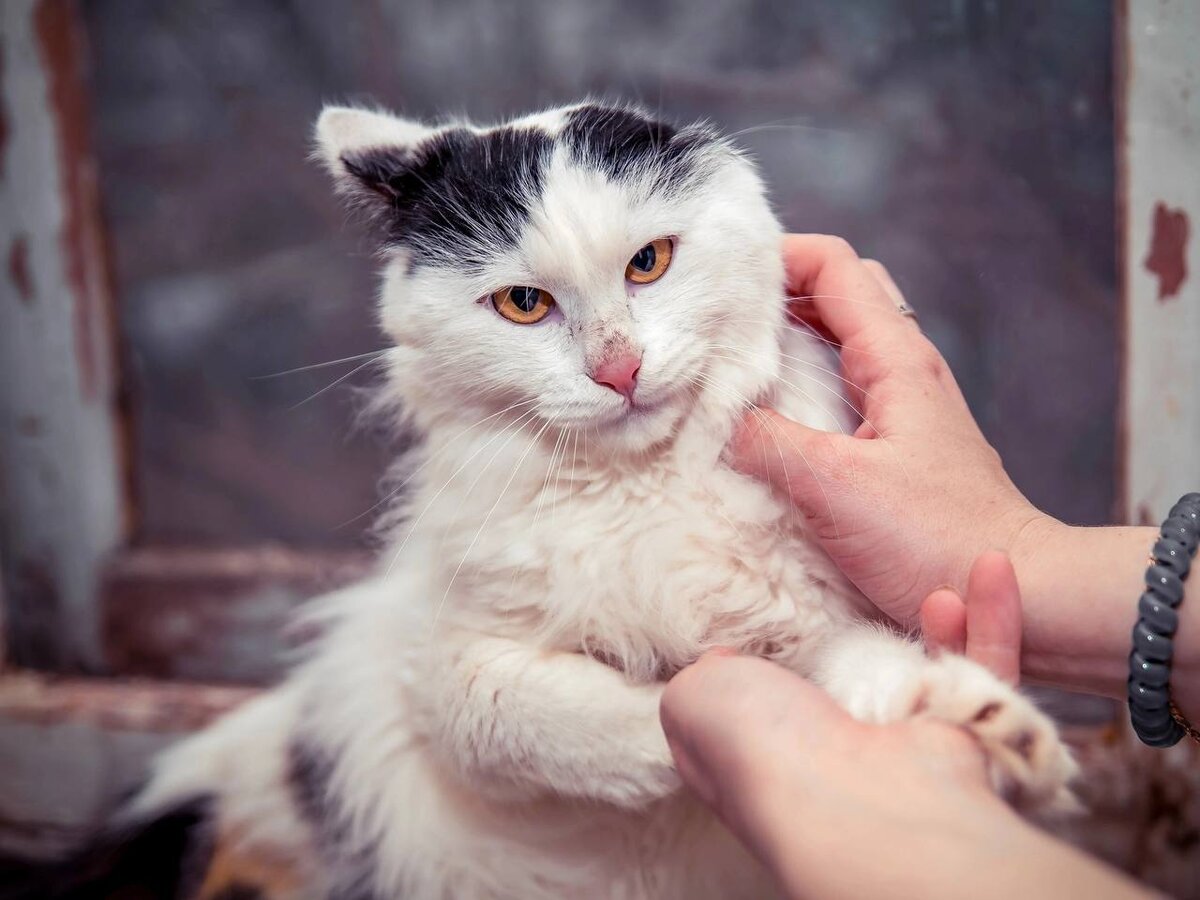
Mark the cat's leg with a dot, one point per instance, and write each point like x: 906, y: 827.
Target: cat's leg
x: 881, y: 677
x: 530, y: 722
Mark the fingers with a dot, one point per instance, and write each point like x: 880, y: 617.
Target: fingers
x: 733, y: 721
x: 944, y: 622
x: 851, y: 301
x: 994, y: 616
x: 987, y: 627
x: 884, y: 277
x: 804, y: 463
x: 882, y: 352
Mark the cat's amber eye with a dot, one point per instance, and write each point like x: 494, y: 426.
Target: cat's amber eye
x: 649, y: 263
x: 523, y: 305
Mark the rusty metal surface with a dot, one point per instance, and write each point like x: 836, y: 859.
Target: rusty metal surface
x: 71, y: 748
x: 60, y: 454
x: 1159, y: 134
x: 213, y: 615
x: 38, y: 699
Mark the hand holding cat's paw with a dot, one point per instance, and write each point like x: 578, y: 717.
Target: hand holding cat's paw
x: 1024, y: 751
x: 1027, y: 760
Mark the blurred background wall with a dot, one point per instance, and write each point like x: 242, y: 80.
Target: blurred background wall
x: 968, y: 145
x: 172, y: 488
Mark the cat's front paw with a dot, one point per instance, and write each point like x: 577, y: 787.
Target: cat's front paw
x: 642, y: 784
x: 1027, y: 760
x: 646, y: 772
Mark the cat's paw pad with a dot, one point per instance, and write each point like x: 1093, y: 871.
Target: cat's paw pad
x: 1027, y: 760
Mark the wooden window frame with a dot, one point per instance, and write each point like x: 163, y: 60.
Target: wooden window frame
x: 79, y: 595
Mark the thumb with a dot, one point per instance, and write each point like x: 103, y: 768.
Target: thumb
x: 795, y: 459
x: 730, y: 720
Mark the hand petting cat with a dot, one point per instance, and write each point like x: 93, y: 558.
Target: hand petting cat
x: 907, y: 503
x: 950, y: 492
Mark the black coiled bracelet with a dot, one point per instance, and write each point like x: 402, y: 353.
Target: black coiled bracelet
x: 1154, y: 716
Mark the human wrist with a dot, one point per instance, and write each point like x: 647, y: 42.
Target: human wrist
x: 1006, y: 522
x: 1079, y: 590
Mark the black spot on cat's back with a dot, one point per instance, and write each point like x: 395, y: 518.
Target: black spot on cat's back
x: 310, y: 771
x: 309, y: 777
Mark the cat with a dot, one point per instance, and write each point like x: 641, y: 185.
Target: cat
x: 583, y: 303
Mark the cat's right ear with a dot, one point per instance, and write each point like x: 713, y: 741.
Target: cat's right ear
x: 368, y: 153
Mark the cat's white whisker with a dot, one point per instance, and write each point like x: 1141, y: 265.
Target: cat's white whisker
x: 808, y: 332
x: 782, y: 459
x: 533, y: 443
x: 483, y: 471
x: 332, y: 385
x: 432, y: 457
x: 373, y: 354
x: 519, y: 423
x: 787, y: 125
x: 745, y: 358
x: 553, y: 470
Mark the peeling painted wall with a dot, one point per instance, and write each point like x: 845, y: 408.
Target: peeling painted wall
x: 1159, y: 146
x: 59, y: 460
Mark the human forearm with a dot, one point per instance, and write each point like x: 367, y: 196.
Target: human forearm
x: 981, y: 851
x: 1080, y: 588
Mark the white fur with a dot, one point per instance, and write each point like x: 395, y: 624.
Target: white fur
x: 493, y: 690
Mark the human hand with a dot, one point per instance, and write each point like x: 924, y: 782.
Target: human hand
x: 908, y: 502
x: 986, y: 627
x: 838, y: 808
x: 831, y: 806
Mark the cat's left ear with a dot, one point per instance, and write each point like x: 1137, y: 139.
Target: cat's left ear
x: 367, y: 152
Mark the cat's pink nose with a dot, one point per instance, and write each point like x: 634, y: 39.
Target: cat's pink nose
x: 619, y: 373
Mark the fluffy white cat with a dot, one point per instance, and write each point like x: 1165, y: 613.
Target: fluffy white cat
x: 583, y: 303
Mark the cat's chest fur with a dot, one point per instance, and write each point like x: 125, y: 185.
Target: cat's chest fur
x: 644, y: 568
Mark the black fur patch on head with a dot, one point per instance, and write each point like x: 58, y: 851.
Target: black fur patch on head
x: 459, y: 196
x: 623, y: 143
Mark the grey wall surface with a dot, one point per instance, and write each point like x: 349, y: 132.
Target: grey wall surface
x: 967, y: 144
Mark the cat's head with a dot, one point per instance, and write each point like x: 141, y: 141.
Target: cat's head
x: 589, y: 267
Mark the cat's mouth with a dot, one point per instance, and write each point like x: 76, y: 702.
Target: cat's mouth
x: 645, y: 407
x: 636, y: 410
x: 644, y: 421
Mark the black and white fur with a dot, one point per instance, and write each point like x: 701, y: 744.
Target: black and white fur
x: 480, y: 717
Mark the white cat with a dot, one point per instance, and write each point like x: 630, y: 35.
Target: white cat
x: 583, y: 303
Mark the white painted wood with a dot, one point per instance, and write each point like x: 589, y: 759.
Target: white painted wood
x: 1160, y: 134
x: 60, y: 493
